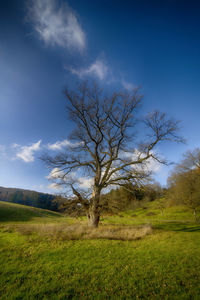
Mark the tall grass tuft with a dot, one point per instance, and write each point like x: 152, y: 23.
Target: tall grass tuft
x: 77, y: 231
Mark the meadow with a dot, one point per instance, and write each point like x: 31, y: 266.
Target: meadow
x: 138, y: 254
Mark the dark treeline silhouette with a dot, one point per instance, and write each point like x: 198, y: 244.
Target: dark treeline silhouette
x: 30, y: 198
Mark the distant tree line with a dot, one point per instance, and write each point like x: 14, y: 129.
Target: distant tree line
x: 120, y: 199
x: 30, y: 198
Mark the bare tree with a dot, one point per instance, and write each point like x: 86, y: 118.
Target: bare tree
x: 191, y: 161
x: 184, y: 189
x: 103, y: 144
x: 184, y: 182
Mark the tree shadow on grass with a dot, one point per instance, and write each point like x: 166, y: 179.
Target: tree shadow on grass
x: 178, y: 226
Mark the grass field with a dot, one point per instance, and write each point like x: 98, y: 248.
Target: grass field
x: 38, y: 260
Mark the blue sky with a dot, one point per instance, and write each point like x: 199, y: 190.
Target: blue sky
x: 47, y: 44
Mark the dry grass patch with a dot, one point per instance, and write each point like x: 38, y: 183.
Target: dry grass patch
x: 78, y: 231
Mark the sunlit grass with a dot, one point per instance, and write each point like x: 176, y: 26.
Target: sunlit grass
x: 163, y: 265
x: 47, y: 256
x: 16, y: 213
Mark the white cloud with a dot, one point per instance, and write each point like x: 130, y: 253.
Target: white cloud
x: 55, y: 173
x: 149, y: 165
x: 2, y: 150
x: 56, y: 26
x: 98, y: 69
x: 127, y: 85
x: 85, y: 183
x: 14, y: 146
x: 54, y: 186
x: 26, y: 153
x: 60, y: 144
x: 153, y: 165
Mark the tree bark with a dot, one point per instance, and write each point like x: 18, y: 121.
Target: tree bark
x: 93, y: 219
x: 94, y: 212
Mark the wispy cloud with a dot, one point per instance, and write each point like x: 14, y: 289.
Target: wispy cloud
x: 85, y: 183
x: 127, y: 85
x: 99, y: 69
x: 61, y: 144
x: 149, y: 165
x: 55, y: 173
x: 54, y: 186
x: 26, y: 153
x: 56, y: 25
x: 2, y: 150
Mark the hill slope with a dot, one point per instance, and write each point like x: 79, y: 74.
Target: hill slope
x: 10, y: 212
x: 27, y: 197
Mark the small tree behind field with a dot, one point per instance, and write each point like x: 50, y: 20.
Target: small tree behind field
x: 185, y: 181
x: 190, y: 161
x: 186, y: 190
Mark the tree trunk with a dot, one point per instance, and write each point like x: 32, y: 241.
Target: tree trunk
x: 94, y: 212
x: 93, y: 219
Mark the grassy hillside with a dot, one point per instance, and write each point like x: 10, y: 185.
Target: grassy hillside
x: 151, y: 214
x: 28, y: 197
x: 10, y: 212
x: 41, y: 258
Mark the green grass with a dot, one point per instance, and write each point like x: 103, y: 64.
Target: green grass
x: 12, y: 213
x: 163, y: 265
x: 149, y: 213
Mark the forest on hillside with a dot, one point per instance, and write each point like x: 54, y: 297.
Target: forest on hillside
x: 30, y: 198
